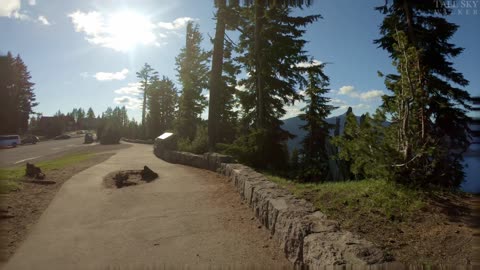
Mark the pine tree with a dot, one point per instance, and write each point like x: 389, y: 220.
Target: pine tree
x: 271, y: 63
x: 90, y: 113
x: 314, y: 163
x: 227, y: 17
x: 294, y: 161
x: 192, y: 68
x: 26, y: 97
x: 17, y: 98
x: 147, y: 74
x: 162, y: 101
x: 346, y: 142
x: 228, y: 97
x: 215, y: 83
x: 438, y: 104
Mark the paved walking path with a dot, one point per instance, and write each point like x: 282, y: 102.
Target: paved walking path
x: 185, y: 218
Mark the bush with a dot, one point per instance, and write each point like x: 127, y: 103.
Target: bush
x: 198, y: 145
x: 111, y: 134
x: 259, y: 149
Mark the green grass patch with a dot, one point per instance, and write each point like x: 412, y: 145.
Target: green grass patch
x: 385, y: 199
x: 10, y: 177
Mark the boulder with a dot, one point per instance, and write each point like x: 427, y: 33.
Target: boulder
x: 33, y: 171
x: 120, y: 179
x: 147, y: 174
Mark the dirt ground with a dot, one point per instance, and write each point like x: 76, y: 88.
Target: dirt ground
x: 445, y: 233
x: 133, y: 178
x: 21, y: 209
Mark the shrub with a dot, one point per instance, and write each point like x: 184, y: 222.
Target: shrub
x: 258, y: 149
x: 111, y: 134
x: 198, y: 145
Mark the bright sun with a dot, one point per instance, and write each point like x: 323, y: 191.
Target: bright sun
x: 128, y: 29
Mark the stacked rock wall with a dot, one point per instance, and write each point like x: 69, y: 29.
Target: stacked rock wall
x: 307, y: 237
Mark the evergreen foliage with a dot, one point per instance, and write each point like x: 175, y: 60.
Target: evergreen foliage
x: 365, y: 147
x: 146, y: 75
x: 428, y: 105
x: 228, y: 97
x: 192, y: 68
x: 271, y: 59
x: 199, y: 145
x: 162, y: 102
x: 17, y: 98
x: 113, y: 125
x: 315, y: 159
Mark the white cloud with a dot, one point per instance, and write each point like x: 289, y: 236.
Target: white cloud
x: 91, y: 23
x: 11, y: 9
x: 294, y: 110
x: 371, y: 94
x: 352, y: 92
x: 21, y: 16
x: 42, y: 19
x: 107, y: 76
x: 346, y: 90
x: 128, y: 101
x: 8, y: 8
x: 178, y: 23
x: 129, y: 96
x: 123, y: 31
x: 32, y: 2
x: 130, y: 89
x: 312, y: 63
x: 337, y: 102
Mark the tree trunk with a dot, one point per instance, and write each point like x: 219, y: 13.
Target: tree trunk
x: 408, y: 14
x: 411, y: 35
x: 144, y: 108
x: 216, y: 77
x: 259, y: 13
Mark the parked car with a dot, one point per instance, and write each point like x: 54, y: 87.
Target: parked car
x: 9, y: 140
x: 62, y: 137
x: 90, y: 138
x: 30, y: 139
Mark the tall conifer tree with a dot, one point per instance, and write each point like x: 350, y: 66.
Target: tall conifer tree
x: 438, y: 103
x: 192, y: 68
x: 314, y: 163
x: 271, y: 61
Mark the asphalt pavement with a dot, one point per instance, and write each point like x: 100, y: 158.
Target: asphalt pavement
x: 38, y: 152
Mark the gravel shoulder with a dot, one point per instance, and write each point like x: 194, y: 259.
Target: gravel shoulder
x: 21, y: 209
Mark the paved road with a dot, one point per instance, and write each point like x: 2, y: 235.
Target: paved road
x: 37, y: 152
x: 186, y: 218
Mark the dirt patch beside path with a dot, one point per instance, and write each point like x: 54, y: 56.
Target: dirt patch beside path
x: 21, y: 209
x: 439, y: 235
x: 127, y: 178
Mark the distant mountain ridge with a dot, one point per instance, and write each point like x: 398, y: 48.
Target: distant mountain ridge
x: 293, y: 125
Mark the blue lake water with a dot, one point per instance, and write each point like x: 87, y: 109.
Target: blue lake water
x: 472, y: 170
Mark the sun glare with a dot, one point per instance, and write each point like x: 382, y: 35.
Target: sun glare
x: 128, y: 29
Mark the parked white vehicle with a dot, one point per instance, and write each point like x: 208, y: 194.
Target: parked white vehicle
x: 9, y: 140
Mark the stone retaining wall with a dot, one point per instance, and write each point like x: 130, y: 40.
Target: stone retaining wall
x: 306, y: 236
x: 137, y: 141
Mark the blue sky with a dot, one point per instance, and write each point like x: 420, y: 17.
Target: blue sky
x: 85, y: 53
